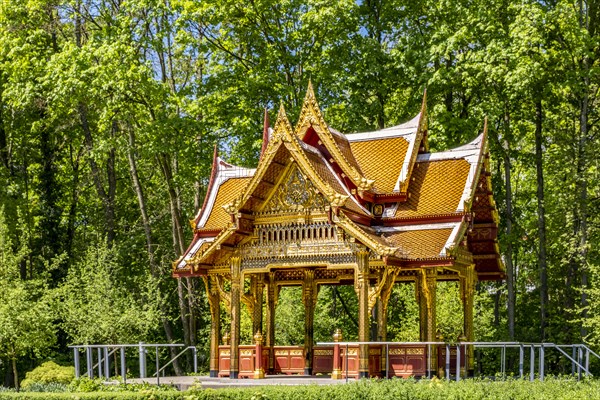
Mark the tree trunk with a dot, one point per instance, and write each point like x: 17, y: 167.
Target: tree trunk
x: 15, y: 373
x: 541, y: 219
x: 154, y: 269
x: 178, y: 246
x: 509, y: 218
x: 582, y: 201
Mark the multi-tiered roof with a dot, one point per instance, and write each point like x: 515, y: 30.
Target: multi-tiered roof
x: 383, y: 188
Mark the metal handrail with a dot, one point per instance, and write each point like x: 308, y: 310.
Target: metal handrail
x: 176, y: 357
x: 122, y: 347
x: 501, y: 345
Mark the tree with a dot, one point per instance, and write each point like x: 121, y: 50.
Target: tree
x: 97, y: 307
x: 26, y: 316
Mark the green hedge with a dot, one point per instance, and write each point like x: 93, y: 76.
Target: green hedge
x: 551, y: 389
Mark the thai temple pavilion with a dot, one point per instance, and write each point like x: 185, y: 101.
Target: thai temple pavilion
x: 366, y: 209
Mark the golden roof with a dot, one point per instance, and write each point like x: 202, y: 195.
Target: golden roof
x: 423, y: 243
x: 227, y: 192
x: 381, y: 160
x: 436, y: 188
x: 352, y: 172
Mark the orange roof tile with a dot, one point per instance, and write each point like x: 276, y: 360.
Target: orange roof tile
x: 426, y: 243
x: 228, y: 191
x: 437, y: 188
x: 381, y: 160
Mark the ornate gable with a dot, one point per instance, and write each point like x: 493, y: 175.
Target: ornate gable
x: 296, y: 194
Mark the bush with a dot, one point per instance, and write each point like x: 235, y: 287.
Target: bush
x: 87, y: 385
x: 47, y: 373
x: 410, y: 389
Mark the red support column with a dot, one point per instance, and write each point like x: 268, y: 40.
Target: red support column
x: 259, y: 372
x: 337, y: 360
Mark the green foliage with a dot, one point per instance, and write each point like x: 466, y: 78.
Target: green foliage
x: 87, y: 385
x: 48, y: 372
x: 365, y: 389
x: 93, y: 93
x: 96, y: 306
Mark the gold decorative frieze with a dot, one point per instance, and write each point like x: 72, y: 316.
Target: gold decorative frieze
x: 374, y: 352
x: 351, y: 352
x: 281, y: 352
x: 295, y: 352
x: 397, y: 352
x: 246, y: 352
x: 321, y: 352
x: 225, y: 352
x: 415, y: 351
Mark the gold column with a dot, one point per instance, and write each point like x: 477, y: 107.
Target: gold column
x: 428, y: 287
x: 236, y: 288
x: 309, y: 298
x: 270, y: 323
x: 362, y: 285
x: 214, y: 300
x: 257, y: 289
x: 468, y: 280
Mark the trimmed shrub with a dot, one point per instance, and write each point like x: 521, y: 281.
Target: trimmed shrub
x: 47, y: 373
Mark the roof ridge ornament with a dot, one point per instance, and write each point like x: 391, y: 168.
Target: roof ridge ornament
x: 266, y: 128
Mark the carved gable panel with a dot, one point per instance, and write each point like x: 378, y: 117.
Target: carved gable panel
x: 296, y: 193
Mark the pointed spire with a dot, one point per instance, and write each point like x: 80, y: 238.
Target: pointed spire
x: 266, y: 128
x: 424, y: 145
x: 310, y: 92
x: 215, y: 155
x: 485, y: 134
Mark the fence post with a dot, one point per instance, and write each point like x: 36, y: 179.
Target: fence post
x: 157, y: 367
x: 532, y: 364
x: 521, y: 356
x: 142, y: 355
x: 587, y: 361
x: 99, y: 351
x: 76, y: 361
x: 123, y: 365
x: 579, y: 361
x: 90, y: 362
x: 542, y: 362
x: 195, y: 359
x: 447, y: 362
x: 457, y: 362
x: 106, y: 364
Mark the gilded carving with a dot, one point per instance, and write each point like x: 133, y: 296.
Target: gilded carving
x: 321, y: 352
x: 297, y: 194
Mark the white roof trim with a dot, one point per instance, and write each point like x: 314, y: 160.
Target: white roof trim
x: 471, y: 153
x: 224, y: 173
x: 407, y: 128
x: 452, y: 238
x: 455, y: 226
x: 404, y: 171
x: 422, y: 227
x: 190, y: 254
